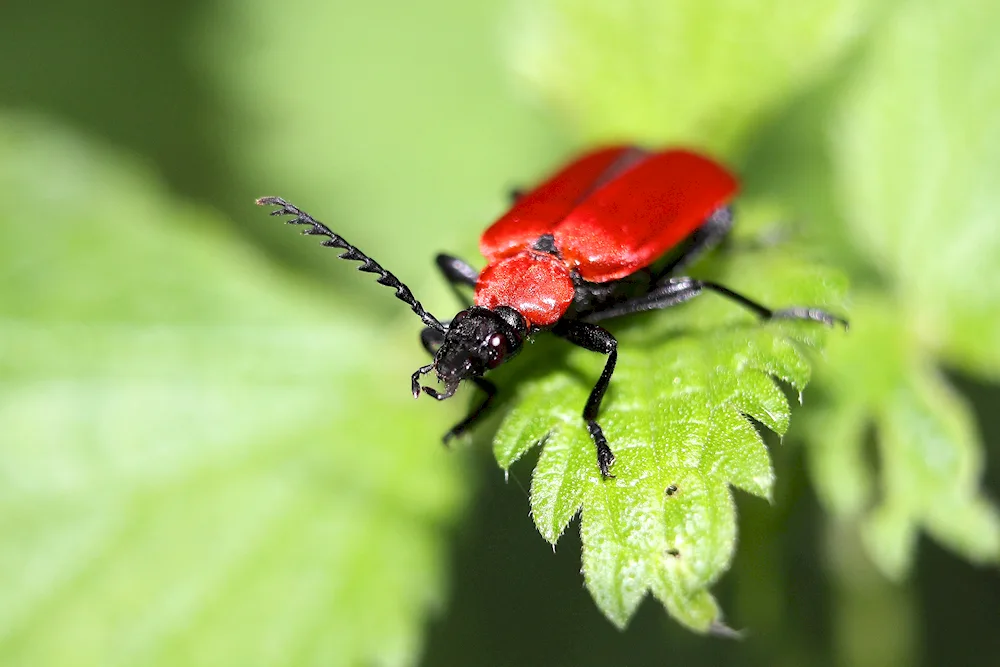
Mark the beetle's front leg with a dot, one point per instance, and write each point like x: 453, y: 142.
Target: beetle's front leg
x: 474, y: 416
x: 596, y: 339
x: 432, y: 339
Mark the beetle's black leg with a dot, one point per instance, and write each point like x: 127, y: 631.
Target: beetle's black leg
x: 669, y: 293
x: 594, y: 338
x: 679, y: 290
x: 470, y: 420
x: 715, y: 228
x: 415, y: 379
x: 457, y: 272
x: 431, y: 339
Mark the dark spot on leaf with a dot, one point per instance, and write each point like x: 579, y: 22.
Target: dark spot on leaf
x: 674, y: 552
x: 671, y: 490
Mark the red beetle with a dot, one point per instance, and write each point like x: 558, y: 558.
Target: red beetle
x: 580, y: 248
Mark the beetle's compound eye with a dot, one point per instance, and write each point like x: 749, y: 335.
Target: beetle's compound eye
x: 497, y: 344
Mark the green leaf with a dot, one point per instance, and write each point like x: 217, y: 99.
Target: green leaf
x: 676, y: 417
x: 930, y: 458
x: 916, y: 165
x: 700, y: 72
x: 190, y: 473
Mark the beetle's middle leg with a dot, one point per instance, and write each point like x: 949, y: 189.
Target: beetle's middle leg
x: 596, y: 339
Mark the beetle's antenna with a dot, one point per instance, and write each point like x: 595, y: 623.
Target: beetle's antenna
x: 368, y: 265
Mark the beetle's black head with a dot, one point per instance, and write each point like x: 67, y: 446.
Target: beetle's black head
x: 477, y: 340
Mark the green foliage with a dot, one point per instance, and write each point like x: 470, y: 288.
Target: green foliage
x: 698, y: 73
x: 182, y: 477
x: 917, y: 166
x: 927, y: 446
x: 675, y: 418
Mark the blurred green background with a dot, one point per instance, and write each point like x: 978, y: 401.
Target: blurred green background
x: 208, y: 451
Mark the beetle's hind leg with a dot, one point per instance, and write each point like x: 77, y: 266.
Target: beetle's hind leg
x: 675, y: 291
x: 711, y: 233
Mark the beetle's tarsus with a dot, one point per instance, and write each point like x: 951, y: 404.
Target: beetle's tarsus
x: 605, y: 457
x: 814, y: 314
x: 415, y: 379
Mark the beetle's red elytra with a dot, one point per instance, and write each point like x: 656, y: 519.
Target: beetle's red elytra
x: 614, y: 211
x: 605, y: 236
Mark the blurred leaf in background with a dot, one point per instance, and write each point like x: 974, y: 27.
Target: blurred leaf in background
x: 183, y: 481
x: 390, y: 115
x: 905, y: 188
x: 696, y: 73
x: 235, y: 499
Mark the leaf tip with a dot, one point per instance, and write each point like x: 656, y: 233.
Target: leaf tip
x: 719, y: 629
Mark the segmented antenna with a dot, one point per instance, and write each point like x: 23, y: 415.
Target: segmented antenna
x: 368, y: 265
